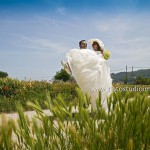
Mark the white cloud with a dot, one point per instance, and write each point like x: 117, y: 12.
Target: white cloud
x: 39, y: 44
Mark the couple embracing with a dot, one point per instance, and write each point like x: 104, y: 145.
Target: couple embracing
x: 90, y: 70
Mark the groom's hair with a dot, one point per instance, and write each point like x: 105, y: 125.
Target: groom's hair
x: 82, y: 41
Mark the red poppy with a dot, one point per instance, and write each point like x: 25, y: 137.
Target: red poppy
x: 5, y: 88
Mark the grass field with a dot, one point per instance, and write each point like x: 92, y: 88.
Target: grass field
x: 125, y: 126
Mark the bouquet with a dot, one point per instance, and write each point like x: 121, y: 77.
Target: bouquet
x: 106, y: 54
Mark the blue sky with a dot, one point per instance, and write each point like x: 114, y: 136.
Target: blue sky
x: 36, y: 34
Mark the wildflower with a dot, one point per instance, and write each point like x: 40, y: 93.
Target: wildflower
x: 5, y: 87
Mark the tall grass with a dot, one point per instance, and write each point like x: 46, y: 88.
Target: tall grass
x: 124, y: 127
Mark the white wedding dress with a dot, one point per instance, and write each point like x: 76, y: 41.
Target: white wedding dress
x: 91, y: 73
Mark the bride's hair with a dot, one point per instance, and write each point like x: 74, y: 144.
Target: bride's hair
x: 99, y: 48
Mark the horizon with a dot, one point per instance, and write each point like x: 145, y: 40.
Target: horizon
x: 36, y: 34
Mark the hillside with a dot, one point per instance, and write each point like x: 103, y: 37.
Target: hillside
x: 120, y: 77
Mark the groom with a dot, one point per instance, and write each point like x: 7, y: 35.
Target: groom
x: 82, y: 45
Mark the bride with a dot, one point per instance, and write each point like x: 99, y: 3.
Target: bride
x: 91, y: 71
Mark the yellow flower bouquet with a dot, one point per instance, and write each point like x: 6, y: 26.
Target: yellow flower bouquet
x: 106, y: 54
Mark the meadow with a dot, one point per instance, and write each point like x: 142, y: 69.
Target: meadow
x: 124, y: 127
x: 12, y: 91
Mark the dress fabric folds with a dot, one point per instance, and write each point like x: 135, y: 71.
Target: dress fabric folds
x: 91, y: 73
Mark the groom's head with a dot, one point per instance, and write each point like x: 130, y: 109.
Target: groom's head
x: 83, y: 44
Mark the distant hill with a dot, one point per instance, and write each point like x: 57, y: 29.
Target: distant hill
x: 120, y: 77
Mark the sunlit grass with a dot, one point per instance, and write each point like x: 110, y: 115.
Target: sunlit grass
x: 125, y: 126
